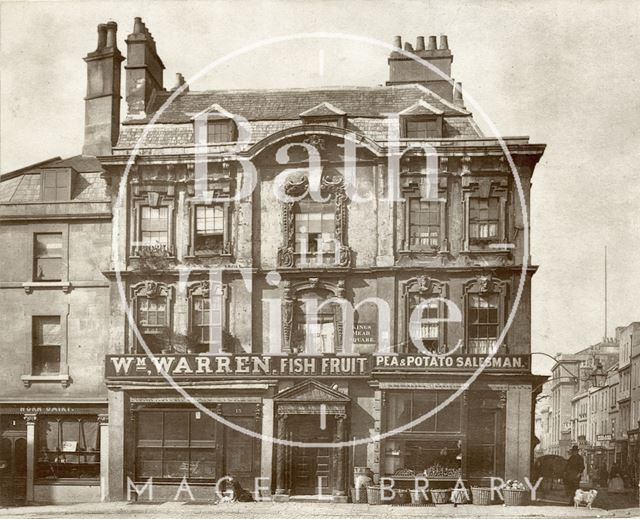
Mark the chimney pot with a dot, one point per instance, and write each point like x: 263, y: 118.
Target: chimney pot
x: 138, y: 26
x: 432, y: 43
x: 457, y: 93
x: 408, y: 47
x: 112, y: 28
x: 420, y: 43
x: 397, y: 42
x: 102, y: 36
x: 444, y: 42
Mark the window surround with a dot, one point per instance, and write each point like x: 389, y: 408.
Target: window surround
x: 485, y: 285
x: 32, y: 283
x: 149, y: 289
x: 332, y: 187
x: 293, y: 293
x: 155, y: 200
x: 424, y: 287
x: 484, y: 187
x: 43, y: 310
x: 412, y: 188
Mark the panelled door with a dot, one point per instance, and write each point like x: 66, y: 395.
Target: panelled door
x: 13, y: 467
x: 312, y: 467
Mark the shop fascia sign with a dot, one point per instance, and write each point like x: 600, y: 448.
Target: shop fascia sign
x: 283, y: 366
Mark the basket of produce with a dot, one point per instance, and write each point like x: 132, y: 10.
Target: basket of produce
x: 401, y: 498
x: 440, y: 496
x: 459, y: 496
x: 359, y: 495
x: 418, y: 497
x: 438, y: 471
x: 481, y: 495
x: 516, y: 494
x: 374, y: 495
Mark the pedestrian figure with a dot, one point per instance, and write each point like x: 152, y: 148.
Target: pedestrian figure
x: 573, y: 473
x: 603, y: 476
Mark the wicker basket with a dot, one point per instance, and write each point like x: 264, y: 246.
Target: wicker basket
x: 459, y: 496
x: 516, y: 497
x: 418, y: 497
x: 374, y: 496
x: 440, y: 496
x: 481, y: 496
x: 359, y: 495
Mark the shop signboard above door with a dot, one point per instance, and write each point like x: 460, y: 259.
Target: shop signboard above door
x: 286, y: 366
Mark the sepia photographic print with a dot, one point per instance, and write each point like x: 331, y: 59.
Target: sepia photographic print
x: 282, y: 258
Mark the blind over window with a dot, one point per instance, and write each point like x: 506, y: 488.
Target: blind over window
x: 48, y: 256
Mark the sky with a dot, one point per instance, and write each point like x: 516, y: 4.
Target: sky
x: 565, y: 73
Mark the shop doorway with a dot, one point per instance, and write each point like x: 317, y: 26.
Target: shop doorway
x: 312, y: 468
x: 13, y: 463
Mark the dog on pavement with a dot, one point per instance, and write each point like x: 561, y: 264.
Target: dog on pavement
x: 586, y: 497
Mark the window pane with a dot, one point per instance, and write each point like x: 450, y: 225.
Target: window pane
x: 150, y: 428
x: 47, y: 330
x: 176, y: 429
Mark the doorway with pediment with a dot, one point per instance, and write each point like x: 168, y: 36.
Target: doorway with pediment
x: 312, y: 417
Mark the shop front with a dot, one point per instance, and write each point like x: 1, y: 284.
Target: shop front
x: 311, y: 403
x: 51, y: 453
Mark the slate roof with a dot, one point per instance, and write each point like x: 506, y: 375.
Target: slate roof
x: 257, y: 105
x: 23, y: 185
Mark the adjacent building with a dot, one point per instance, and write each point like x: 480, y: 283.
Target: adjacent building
x: 182, y: 261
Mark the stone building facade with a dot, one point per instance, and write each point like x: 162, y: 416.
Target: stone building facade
x: 225, y: 234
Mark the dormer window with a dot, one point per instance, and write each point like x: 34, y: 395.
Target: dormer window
x: 422, y: 129
x: 325, y: 114
x: 56, y: 185
x: 220, y: 131
x: 421, y: 121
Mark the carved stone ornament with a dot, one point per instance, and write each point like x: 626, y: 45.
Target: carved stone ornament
x: 316, y: 141
x: 151, y: 288
x: 485, y: 283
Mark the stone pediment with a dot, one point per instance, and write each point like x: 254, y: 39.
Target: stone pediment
x: 311, y: 391
x: 421, y: 108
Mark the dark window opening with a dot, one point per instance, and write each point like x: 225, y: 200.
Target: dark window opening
x: 47, y: 342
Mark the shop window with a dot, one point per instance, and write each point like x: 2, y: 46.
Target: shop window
x: 154, y: 226
x: 484, y: 219
x: 56, y: 185
x: 209, y: 229
x: 315, y: 231
x: 171, y: 445
x: 483, y: 322
x: 424, y: 225
x: 220, y: 131
x: 67, y: 447
x: 427, y: 327
x: 47, y: 342
x: 47, y: 256
x: 434, y: 445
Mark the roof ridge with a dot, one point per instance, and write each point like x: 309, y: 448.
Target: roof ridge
x: 192, y: 93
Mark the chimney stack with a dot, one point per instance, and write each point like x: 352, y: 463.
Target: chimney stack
x: 397, y: 42
x: 179, y: 82
x: 144, y: 69
x: 458, y: 100
x: 403, y: 69
x: 102, y: 102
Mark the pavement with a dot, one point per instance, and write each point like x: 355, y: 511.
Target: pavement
x: 300, y: 510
